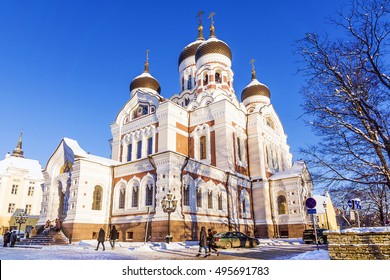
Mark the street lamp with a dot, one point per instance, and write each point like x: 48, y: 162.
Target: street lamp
x: 20, y: 219
x: 168, y: 205
x: 326, y: 214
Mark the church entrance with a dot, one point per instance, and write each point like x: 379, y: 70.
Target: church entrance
x: 63, y: 195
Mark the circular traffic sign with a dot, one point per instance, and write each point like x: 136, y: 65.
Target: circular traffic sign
x: 310, y: 203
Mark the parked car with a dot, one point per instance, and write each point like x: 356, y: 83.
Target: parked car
x: 309, y: 237
x: 231, y: 239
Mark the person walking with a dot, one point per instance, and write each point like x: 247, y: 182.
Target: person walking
x: 100, y: 239
x: 13, y: 238
x: 113, y: 236
x: 202, y: 242
x: 211, y: 242
x: 7, y: 238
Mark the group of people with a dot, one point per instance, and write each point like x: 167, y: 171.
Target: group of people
x: 10, y: 237
x: 207, y: 242
x: 102, y: 237
x: 48, y: 226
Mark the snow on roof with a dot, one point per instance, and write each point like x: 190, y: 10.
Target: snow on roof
x: 255, y: 82
x: 294, y: 171
x: 33, y: 166
x: 79, y: 152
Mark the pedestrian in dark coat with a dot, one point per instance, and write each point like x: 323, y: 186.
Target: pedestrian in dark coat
x: 113, y: 236
x: 202, y: 242
x: 7, y: 238
x: 211, y: 241
x: 101, y: 238
x: 13, y: 239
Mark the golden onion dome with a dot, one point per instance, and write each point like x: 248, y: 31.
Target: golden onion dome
x: 255, y: 88
x: 145, y: 80
x: 213, y: 46
x: 190, y: 49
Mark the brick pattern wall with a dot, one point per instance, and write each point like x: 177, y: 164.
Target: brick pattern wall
x: 359, y: 246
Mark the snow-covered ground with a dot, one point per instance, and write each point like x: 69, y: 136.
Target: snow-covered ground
x: 85, y: 250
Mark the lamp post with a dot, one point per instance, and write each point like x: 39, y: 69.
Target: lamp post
x: 326, y: 215
x: 168, y: 204
x: 20, y: 219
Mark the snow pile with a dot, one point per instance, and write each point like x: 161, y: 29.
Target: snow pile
x: 313, y: 255
x: 362, y: 230
x: 142, y: 248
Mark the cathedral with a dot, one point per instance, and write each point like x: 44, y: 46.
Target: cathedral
x: 198, y: 158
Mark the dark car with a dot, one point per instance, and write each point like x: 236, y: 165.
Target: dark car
x: 231, y: 239
x: 309, y: 237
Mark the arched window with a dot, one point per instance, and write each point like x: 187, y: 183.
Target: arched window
x: 210, y: 200
x: 205, y: 79
x: 129, y: 151
x: 219, y: 201
x: 122, y: 196
x: 139, y: 149
x: 149, y: 194
x: 134, y: 200
x: 97, y: 198
x: 243, y: 206
x: 189, y: 82
x: 199, y: 198
x: 282, y: 205
x: 150, y: 145
x: 202, y: 147
x: 218, y: 78
x: 186, y: 195
x: 239, y: 154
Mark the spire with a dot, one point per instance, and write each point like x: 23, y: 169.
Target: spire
x: 146, y: 68
x: 212, y: 29
x: 18, y: 152
x: 252, y: 61
x: 200, y: 26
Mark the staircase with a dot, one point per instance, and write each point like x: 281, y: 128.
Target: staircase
x: 52, y: 238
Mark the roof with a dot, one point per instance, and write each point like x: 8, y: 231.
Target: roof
x: 80, y: 153
x: 33, y: 166
x: 295, y: 171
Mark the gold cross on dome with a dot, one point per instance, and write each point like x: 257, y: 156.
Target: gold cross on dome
x: 252, y: 61
x: 147, y: 55
x: 199, y: 15
x: 211, y: 17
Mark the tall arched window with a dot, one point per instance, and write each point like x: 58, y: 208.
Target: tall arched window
x: 97, y: 198
x: 202, y: 147
x: 149, y: 194
x: 282, y: 205
x: 244, y: 206
x: 134, y: 201
x: 186, y: 195
x: 189, y: 83
x: 122, y: 195
x: 219, y: 201
x: 199, y: 198
x: 210, y: 200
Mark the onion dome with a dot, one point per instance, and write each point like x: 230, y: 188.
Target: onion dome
x: 190, y: 49
x: 255, y: 88
x: 145, y: 80
x: 213, y: 46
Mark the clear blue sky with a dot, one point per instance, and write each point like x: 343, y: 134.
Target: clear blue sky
x: 65, y: 66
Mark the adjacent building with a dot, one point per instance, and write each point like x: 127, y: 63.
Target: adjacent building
x: 20, y: 189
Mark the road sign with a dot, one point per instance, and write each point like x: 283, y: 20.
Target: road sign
x: 311, y: 202
x: 357, y: 205
x: 354, y: 204
x: 311, y: 211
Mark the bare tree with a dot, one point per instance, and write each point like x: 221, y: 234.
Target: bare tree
x: 347, y: 95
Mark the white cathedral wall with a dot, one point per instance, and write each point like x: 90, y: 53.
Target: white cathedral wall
x: 90, y: 175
